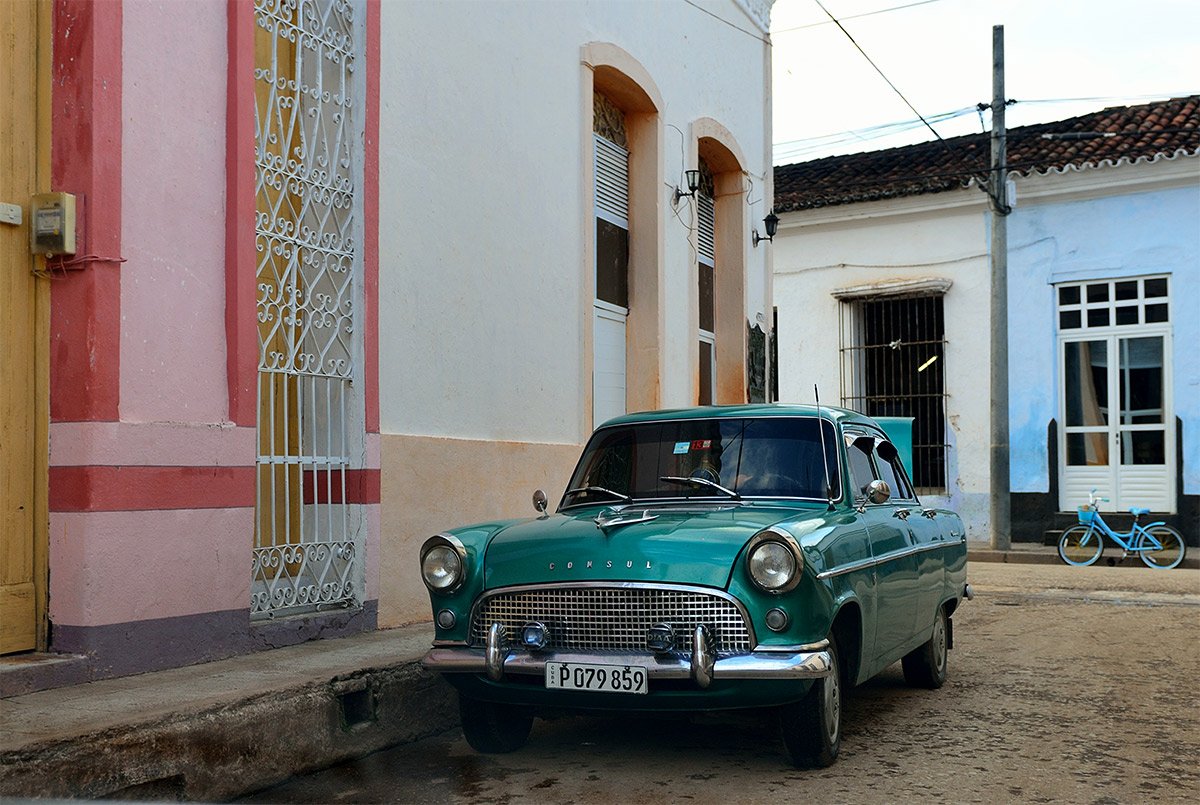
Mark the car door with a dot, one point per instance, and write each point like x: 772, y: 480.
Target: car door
x: 924, y: 532
x: 896, y: 570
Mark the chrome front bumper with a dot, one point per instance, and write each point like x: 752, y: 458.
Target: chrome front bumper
x: 497, y: 659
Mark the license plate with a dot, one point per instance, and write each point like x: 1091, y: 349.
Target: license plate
x: 599, y: 678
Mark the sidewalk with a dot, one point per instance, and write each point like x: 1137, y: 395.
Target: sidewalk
x: 220, y: 729
x: 1031, y: 553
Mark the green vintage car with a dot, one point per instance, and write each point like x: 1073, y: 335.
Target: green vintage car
x: 702, y: 559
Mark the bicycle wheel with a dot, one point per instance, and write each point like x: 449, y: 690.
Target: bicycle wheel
x: 1168, y: 553
x: 1080, y: 546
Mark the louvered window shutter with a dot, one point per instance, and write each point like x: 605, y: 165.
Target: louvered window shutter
x: 612, y: 181
x: 706, y: 230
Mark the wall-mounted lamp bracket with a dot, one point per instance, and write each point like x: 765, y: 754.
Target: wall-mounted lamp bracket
x: 693, y: 182
x: 771, y: 224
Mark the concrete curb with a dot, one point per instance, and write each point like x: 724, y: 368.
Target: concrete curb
x: 227, y: 745
x: 1049, y: 556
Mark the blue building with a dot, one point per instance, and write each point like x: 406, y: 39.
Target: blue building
x: 1104, y: 307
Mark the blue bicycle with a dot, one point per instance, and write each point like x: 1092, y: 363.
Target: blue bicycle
x: 1159, y: 545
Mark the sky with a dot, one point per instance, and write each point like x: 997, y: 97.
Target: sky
x: 828, y: 99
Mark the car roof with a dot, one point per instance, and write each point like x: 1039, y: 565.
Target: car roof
x: 759, y: 410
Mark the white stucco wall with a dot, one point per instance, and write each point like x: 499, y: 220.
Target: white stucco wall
x: 482, y: 202
x: 941, y: 236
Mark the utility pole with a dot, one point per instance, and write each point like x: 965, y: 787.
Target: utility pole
x: 1001, y: 506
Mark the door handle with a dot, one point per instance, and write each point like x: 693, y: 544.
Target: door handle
x: 930, y: 513
x: 901, y: 513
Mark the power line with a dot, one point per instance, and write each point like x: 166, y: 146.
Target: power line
x: 1110, y: 98
x: 800, y: 146
x: 853, y: 16
x: 881, y: 73
x: 759, y: 37
x: 866, y: 133
x: 983, y: 179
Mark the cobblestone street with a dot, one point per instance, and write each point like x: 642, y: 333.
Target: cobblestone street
x: 1066, y: 685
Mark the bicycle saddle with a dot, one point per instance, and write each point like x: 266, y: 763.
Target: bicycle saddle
x: 1138, y: 512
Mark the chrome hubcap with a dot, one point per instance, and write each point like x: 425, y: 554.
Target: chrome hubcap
x: 833, y: 704
x: 939, y: 642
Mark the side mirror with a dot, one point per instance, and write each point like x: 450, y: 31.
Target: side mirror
x: 539, y: 501
x: 878, y: 491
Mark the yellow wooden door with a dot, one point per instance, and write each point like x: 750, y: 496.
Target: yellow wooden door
x: 23, y: 165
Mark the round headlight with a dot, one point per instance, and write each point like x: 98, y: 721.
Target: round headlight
x: 442, y: 568
x: 772, y: 566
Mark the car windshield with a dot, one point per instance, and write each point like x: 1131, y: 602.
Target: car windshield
x: 727, y: 458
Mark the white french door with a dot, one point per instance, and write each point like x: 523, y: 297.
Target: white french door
x: 1118, y: 432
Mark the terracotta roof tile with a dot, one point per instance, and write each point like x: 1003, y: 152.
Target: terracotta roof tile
x: 1119, y: 134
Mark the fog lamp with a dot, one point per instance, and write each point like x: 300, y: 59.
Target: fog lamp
x: 446, y: 619
x: 777, y: 620
x: 534, y: 636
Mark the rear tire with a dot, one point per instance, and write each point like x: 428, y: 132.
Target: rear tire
x: 1171, y: 553
x: 493, y: 728
x: 925, y: 666
x: 812, y: 727
x: 1080, y: 546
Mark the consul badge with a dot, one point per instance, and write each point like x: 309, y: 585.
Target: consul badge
x: 609, y: 564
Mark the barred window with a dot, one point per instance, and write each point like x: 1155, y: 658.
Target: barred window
x: 893, y: 365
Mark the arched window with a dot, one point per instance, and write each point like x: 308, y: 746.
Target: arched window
x: 610, y: 161
x: 623, y: 260
x: 722, y: 234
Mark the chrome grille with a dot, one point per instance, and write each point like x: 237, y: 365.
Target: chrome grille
x: 613, y: 618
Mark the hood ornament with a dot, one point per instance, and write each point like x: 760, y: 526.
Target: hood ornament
x: 614, y: 517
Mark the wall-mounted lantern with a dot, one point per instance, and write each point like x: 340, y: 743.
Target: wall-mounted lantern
x: 771, y: 224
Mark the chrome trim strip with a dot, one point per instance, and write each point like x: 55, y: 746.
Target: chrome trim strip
x: 618, y: 585
x: 863, y: 564
x: 757, y: 665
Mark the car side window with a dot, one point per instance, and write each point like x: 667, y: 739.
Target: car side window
x: 859, y: 462
x: 887, y: 461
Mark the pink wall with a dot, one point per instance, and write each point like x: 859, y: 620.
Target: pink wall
x: 152, y: 515
x: 173, y: 213
x: 132, y: 566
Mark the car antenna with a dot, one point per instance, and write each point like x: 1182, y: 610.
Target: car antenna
x: 824, y: 455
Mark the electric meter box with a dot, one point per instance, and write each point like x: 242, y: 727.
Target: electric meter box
x: 52, y: 228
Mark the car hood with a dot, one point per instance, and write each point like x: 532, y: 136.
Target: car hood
x: 694, y: 545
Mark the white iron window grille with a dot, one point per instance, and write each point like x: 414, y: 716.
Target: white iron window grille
x: 306, y: 233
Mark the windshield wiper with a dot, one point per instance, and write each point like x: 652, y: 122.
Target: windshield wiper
x: 679, y: 479
x: 601, y: 489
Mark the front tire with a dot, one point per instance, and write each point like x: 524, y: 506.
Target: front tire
x: 493, y: 728
x: 812, y: 727
x: 925, y: 666
x: 1169, y: 555
x: 1080, y: 546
